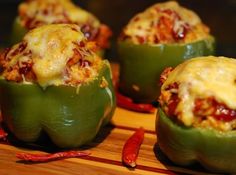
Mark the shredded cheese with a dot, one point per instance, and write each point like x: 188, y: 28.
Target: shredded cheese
x: 203, y: 77
x: 53, y: 54
x: 144, y: 25
x: 51, y: 47
x: 54, y: 11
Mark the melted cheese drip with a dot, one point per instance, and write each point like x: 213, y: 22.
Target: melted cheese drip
x: 201, y: 78
x: 36, y: 9
x: 142, y: 24
x: 52, y: 46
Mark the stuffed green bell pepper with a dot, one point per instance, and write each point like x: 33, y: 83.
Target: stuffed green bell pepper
x: 163, y: 35
x: 196, y: 121
x: 35, y: 13
x: 51, y: 82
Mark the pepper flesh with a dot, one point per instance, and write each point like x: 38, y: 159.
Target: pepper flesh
x: 214, y: 150
x: 141, y: 65
x: 71, y: 116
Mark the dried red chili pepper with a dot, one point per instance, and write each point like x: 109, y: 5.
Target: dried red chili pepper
x: 127, y: 103
x: 3, y: 134
x: 131, y: 148
x: 50, y: 157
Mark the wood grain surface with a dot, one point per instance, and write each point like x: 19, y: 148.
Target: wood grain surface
x: 105, y: 158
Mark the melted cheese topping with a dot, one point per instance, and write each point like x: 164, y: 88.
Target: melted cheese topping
x: 55, y: 11
x: 201, y: 78
x: 52, y: 54
x: 143, y: 25
x: 52, y: 47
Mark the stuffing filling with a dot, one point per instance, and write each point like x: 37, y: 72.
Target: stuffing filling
x: 34, y: 13
x: 165, y: 23
x: 201, y: 93
x: 207, y: 112
x: 51, y: 55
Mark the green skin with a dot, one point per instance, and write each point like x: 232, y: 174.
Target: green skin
x: 18, y: 32
x: 70, y: 116
x: 141, y: 65
x: 184, y: 146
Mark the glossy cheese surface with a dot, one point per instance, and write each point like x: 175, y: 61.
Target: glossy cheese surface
x: 55, y: 11
x: 201, y: 78
x: 52, y: 54
x: 145, y: 24
x: 52, y: 46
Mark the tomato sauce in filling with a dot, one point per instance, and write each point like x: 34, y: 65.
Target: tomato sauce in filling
x: 202, y: 108
x: 172, y: 22
x: 173, y: 101
x: 59, y: 14
x: 173, y: 104
x: 210, y: 107
x: 169, y: 27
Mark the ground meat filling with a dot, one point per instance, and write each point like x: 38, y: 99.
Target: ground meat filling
x: 59, y: 15
x: 165, y: 23
x: 21, y: 70
x: 53, y: 10
x: 207, y: 111
x: 169, y: 99
x: 78, y: 61
x: 169, y: 28
x: 78, y: 68
x: 210, y: 107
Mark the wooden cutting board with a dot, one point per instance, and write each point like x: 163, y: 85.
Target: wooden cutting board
x: 105, y: 158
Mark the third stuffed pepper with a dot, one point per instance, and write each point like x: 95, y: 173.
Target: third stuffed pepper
x: 163, y: 35
x: 36, y: 13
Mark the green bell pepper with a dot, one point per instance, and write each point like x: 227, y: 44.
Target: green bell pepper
x: 141, y: 65
x: 215, y: 150
x: 71, y: 116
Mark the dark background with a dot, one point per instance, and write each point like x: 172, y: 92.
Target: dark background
x: 219, y: 15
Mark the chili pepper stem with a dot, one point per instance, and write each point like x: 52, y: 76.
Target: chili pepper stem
x: 133, y: 164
